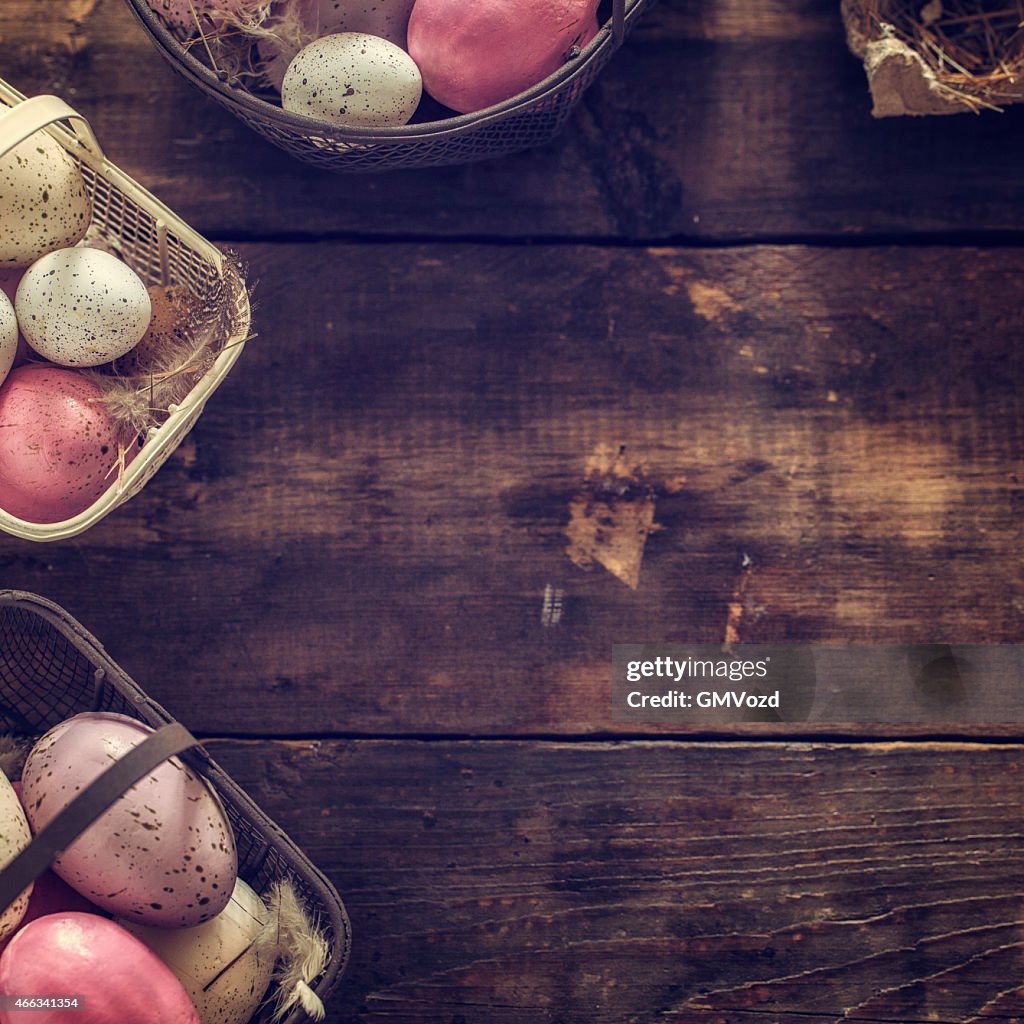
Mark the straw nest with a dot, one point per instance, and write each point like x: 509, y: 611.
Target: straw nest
x: 939, y: 56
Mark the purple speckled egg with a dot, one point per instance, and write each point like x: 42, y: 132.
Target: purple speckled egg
x: 296, y: 23
x: 163, y: 854
x: 58, y: 444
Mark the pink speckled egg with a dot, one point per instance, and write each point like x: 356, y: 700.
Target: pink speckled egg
x: 58, y: 445
x: 113, y: 975
x: 163, y: 854
x: 52, y: 895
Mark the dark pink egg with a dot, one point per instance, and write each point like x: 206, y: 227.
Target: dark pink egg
x: 58, y: 444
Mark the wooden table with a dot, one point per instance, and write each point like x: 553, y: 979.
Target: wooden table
x: 798, y: 327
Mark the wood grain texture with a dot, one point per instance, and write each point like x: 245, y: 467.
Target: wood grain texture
x: 585, y: 883
x: 362, y: 531
x: 717, y: 121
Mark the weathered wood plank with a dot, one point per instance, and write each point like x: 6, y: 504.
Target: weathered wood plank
x: 364, y: 530
x: 722, y: 120
x: 597, y: 883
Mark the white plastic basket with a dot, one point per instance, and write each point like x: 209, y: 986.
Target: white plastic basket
x: 162, y: 249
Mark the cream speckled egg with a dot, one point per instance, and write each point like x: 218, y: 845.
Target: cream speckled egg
x: 14, y: 834
x: 82, y: 307
x: 43, y: 201
x: 352, y: 78
x: 8, y: 336
x: 10, y: 278
x: 218, y: 963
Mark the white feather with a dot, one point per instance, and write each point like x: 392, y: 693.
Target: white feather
x: 300, y: 948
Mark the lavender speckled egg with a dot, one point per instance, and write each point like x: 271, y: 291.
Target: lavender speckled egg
x: 59, y: 447
x: 163, y: 854
x: 352, y: 78
x: 44, y: 204
x: 220, y: 964
x: 14, y: 835
x: 299, y: 22
x: 82, y: 307
x: 8, y: 335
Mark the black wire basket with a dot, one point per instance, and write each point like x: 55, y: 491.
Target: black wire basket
x: 51, y: 669
x: 528, y: 119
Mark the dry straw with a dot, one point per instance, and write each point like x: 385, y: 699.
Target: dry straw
x: 939, y: 56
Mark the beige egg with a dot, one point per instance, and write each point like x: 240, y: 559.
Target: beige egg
x: 352, y: 78
x: 44, y: 204
x: 14, y: 835
x: 8, y: 335
x: 218, y: 962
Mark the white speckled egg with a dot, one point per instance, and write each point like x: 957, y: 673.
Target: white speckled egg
x: 162, y: 854
x: 352, y: 78
x: 8, y: 335
x: 218, y: 963
x: 14, y: 835
x: 82, y: 307
x: 43, y: 201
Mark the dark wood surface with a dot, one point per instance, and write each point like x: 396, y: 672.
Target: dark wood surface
x: 799, y: 326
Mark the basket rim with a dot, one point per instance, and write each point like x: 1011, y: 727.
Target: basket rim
x: 597, y: 50
x: 162, y: 439
x: 155, y: 715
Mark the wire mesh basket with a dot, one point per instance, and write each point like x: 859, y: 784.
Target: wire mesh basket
x: 527, y: 119
x: 162, y: 249
x: 51, y: 669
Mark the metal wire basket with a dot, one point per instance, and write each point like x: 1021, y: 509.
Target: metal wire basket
x: 527, y: 119
x: 162, y: 249
x: 51, y: 669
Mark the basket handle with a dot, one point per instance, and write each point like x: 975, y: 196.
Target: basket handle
x: 618, y: 22
x: 78, y: 815
x: 27, y: 117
